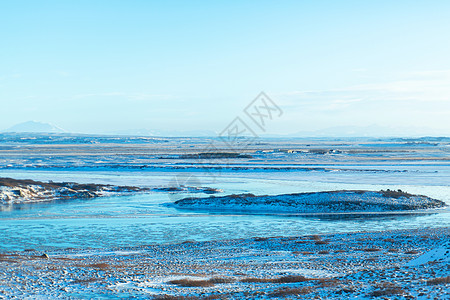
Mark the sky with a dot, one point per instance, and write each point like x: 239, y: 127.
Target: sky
x: 104, y: 66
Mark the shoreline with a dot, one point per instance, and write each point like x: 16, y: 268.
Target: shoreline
x: 332, y: 266
x: 27, y: 191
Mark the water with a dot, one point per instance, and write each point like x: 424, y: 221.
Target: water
x: 143, y: 219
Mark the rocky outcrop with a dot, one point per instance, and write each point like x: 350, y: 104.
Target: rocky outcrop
x: 318, y: 202
x: 22, y: 191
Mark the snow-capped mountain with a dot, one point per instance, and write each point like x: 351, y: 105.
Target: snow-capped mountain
x: 34, y: 126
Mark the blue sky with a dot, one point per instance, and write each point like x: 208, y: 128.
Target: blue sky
x: 99, y: 66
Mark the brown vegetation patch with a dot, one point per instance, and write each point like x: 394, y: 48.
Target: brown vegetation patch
x: 8, y: 255
x: 412, y: 252
x: 191, y: 283
x: 324, y: 252
x: 389, y: 240
x: 9, y: 260
x: 186, y: 282
x: 328, y: 282
x: 315, y: 237
x: 387, y: 292
x: 387, y: 289
x: 238, y: 196
x: 439, y: 280
x: 322, y: 242
x: 371, y: 250
x: 101, y: 266
x: 282, y: 292
x: 188, y: 242
x: 284, y: 279
x: 395, y: 194
x: 302, y: 242
x: 291, y: 278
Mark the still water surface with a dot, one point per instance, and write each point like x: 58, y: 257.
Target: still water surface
x: 142, y: 219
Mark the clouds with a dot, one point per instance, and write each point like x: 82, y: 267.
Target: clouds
x: 426, y: 86
x: 429, y: 86
x: 419, y: 98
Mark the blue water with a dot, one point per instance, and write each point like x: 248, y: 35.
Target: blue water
x: 144, y: 219
x: 421, y: 167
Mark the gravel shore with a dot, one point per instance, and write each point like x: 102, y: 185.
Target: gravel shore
x: 411, y: 264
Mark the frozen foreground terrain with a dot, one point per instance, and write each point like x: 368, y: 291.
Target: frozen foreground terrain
x: 406, y: 264
x: 319, y: 202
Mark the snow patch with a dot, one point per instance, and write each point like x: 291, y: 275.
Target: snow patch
x: 440, y: 254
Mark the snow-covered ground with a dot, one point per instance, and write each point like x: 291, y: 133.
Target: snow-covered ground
x: 13, y: 191
x: 411, y: 264
x: 319, y: 202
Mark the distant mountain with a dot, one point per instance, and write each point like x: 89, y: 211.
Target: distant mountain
x: 166, y: 133
x: 33, y: 126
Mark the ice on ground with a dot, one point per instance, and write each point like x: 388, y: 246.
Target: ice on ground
x: 360, y: 265
x: 440, y: 254
x: 318, y: 202
x: 14, y: 191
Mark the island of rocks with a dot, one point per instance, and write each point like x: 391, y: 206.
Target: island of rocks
x: 16, y: 191
x: 317, y: 202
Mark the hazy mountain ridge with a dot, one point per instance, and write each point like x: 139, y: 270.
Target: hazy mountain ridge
x: 34, y: 126
x: 372, y: 131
